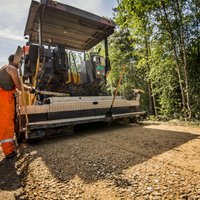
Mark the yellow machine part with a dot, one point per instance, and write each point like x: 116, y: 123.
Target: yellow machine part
x: 28, y: 98
x: 73, y: 78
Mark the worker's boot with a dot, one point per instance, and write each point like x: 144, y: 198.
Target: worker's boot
x: 11, y: 155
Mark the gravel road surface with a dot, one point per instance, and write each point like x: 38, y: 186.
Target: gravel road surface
x: 148, y: 161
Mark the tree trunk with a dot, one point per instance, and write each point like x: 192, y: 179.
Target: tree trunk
x: 154, y: 101
x: 169, y: 29
x: 184, y: 60
x: 150, y: 103
x: 150, y: 97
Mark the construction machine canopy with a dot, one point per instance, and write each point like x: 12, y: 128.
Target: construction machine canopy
x: 59, y: 24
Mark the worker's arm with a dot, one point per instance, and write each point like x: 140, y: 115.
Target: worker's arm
x: 15, y: 77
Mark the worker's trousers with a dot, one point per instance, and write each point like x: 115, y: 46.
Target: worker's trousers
x: 7, y: 110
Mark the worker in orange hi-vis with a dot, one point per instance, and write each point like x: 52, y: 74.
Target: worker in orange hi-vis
x: 9, y: 81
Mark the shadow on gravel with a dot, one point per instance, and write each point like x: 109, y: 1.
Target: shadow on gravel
x: 9, y: 180
x: 96, y: 153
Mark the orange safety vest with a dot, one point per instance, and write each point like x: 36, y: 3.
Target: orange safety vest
x: 7, y: 111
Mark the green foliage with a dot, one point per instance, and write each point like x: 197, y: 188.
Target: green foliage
x: 145, y: 40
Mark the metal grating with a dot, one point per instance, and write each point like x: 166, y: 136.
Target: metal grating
x: 73, y: 105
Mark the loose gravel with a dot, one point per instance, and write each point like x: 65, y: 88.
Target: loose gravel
x: 149, y: 161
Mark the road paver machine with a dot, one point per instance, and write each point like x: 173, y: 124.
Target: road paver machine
x: 68, y: 77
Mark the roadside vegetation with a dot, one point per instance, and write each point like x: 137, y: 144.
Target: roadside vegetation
x: 160, y: 43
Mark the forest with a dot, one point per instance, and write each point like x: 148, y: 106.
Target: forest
x: 159, y: 42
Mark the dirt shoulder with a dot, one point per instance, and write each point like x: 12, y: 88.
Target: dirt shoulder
x: 149, y: 161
